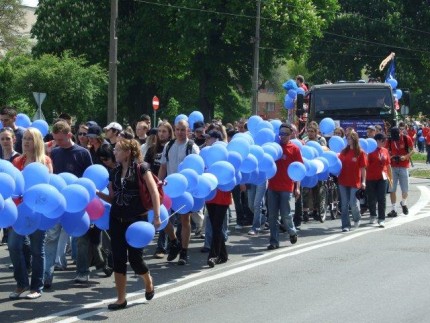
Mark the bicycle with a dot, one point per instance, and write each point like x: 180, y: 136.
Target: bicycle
x: 329, y: 199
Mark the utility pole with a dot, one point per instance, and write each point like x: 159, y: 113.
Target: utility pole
x: 256, y: 61
x: 113, y: 60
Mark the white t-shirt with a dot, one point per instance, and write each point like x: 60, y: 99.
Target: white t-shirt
x: 177, y: 153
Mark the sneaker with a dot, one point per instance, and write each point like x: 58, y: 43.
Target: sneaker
x: 33, y: 295
x: 316, y: 216
x: 381, y: 224
x: 81, y: 278
x: 392, y: 214
x: 159, y: 253
x: 404, y: 208
x: 211, y: 262
x: 293, y: 238
x: 183, y: 258
x: 173, y: 250
x: 252, y: 232
x: 372, y: 220
x: 305, y: 217
x: 108, y: 271
x: 345, y: 230
x: 272, y: 247
x: 357, y: 224
x: 238, y: 227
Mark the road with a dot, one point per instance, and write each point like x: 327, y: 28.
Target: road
x: 367, y: 275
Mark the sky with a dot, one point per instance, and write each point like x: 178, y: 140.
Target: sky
x: 31, y: 3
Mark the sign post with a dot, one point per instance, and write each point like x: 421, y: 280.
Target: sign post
x: 155, y: 106
x: 39, y: 97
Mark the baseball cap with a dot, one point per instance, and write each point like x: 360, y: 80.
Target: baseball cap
x: 92, y: 123
x: 198, y: 125
x: 214, y: 134
x: 113, y: 125
x: 371, y: 127
x: 153, y: 131
x: 94, y: 131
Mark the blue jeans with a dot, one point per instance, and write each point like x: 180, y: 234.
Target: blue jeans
x: 51, y: 246
x: 60, y: 258
x: 348, y: 199
x: 255, y: 199
x: 208, y: 231
x: 279, y: 205
x: 37, y: 245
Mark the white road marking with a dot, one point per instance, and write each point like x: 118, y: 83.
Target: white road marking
x: 414, y: 215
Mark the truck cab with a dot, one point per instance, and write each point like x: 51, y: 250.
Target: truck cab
x: 355, y: 105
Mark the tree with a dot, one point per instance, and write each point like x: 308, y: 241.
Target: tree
x: 11, y: 20
x: 70, y: 84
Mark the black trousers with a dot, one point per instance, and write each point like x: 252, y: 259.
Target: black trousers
x: 121, y: 249
x: 376, y: 193
x: 217, y: 214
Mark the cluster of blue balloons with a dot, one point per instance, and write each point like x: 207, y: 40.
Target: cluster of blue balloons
x: 48, y: 199
x: 292, y: 90
x: 397, y: 93
x: 22, y: 120
x: 192, y: 118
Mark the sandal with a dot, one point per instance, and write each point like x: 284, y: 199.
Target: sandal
x: 150, y: 295
x: 17, y: 293
x: 33, y: 295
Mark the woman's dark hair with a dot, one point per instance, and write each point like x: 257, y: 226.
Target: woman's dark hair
x: 106, y: 151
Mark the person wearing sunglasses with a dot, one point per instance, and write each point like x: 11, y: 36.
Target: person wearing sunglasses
x: 81, y: 136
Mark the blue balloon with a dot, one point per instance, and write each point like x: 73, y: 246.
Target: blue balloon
x: 253, y: 122
x: 27, y: 222
x: 249, y: 164
x: 103, y: 222
x: 213, y: 181
x: 363, y: 144
x: 140, y: 234
x: 399, y: 94
x: 35, y: 173
x: 164, y: 217
x: 183, y: 204
x: 235, y: 159
x: 229, y: 186
x: 9, y: 214
x: 421, y: 139
x: 1, y: 203
x: 57, y: 181
x: 42, y: 126
x: 69, y: 178
x: 239, y: 145
x: 301, y: 91
x: 6, y: 167
x: 7, y: 186
x: 204, y: 153
x: 19, y: 182
x: 238, y: 177
x: 211, y: 195
x: 98, y: 174
x: 308, y: 152
x: 59, y: 211
x: 199, y: 203
x: 180, y: 117
x: 244, y: 135
x: 296, y: 171
x: 42, y: 198
x: 323, y: 176
x: 175, y: 186
x: 336, y: 144
x: 292, y: 93
x: 196, y: 116
x: 288, y: 103
x: 309, y: 181
x: 272, y: 151
x: 77, y: 198
x: 393, y: 83
x: 271, y: 172
x: 204, y: 187
x: 264, y: 125
x: 316, y: 145
x: 47, y: 223
x: 223, y: 170
x: 265, y: 163
x: 263, y: 136
x: 296, y: 142
x: 194, y: 162
x: 311, y: 168
x: 75, y: 224
x: 290, y: 84
x: 327, y: 126
x: 336, y: 168
x: 276, y: 124
x: 22, y: 120
x: 257, y: 151
x: 89, y: 186
x: 192, y: 178
x: 330, y: 156
x: 371, y: 145
x: 278, y: 148
x: 219, y: 142
x: 245, y: 178
x: 216, y: 153
x: 325, y: 162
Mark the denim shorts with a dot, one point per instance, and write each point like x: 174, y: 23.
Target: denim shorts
x: 401, y: 175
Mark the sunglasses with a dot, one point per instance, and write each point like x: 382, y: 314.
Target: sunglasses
x: 82, y: 133
x: 104, y: 159
x: 6, y: 129
x: 285, y: 134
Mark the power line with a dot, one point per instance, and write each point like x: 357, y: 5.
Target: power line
x: 275, y: 20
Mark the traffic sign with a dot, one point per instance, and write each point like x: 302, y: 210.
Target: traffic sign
x: 155, y: 103
x: 39, y: 97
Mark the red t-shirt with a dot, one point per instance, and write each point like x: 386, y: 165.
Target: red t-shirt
x: 281, y: 181
x: 398, y: 148
x: 411, y: 133
x: 427, y: 138
x: 350, y: 174
x: 19, y: 162
x: 221, y: 198
x: 377, y: 162
x: 426, y: 131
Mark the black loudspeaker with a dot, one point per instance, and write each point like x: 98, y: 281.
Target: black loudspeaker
x: 299, y: 105
x: 406, y: 98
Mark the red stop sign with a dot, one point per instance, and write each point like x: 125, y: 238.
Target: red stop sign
x: 155, y: 103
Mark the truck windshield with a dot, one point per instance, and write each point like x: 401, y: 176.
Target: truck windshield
x: 352, y: 99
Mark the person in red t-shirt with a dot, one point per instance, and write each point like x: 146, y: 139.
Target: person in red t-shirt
x: 426, y: 135
x: 401, y: 149
x: 378, y: 173
x: 351, y: 178
x: 280, y: 188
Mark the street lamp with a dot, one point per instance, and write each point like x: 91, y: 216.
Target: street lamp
x: 256, y: 61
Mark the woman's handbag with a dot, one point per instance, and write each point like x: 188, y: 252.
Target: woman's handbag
x: 145, y: 196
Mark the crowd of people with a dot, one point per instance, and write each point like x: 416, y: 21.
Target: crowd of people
x: 125, y: 151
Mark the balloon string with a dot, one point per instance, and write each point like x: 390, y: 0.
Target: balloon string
x: 166, y: 219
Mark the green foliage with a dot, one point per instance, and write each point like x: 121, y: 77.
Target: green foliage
x: 71, y: 86
x: 11, y: 21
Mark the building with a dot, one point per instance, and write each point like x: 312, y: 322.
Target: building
x: 269, y: 105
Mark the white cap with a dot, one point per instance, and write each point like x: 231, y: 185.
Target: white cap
x: 113, y: 125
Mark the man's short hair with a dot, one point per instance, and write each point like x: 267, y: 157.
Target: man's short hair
x: 145, y: 117
x: 65, y: 116
x: 61, y: 127
x: 9, y: 111
x: 300, y: 78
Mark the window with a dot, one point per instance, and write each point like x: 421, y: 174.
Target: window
x: 270, y: 106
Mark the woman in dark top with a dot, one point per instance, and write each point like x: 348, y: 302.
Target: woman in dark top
x: 126, y: 209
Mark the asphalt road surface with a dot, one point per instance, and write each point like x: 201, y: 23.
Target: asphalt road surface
x: 367, y: 275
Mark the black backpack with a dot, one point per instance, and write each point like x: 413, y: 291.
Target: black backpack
x: 188, y: 150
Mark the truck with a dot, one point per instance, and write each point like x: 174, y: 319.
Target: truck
x: 353, y: 104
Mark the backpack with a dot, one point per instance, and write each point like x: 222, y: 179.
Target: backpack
x: 188, y: 150
x: 145, y: 196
